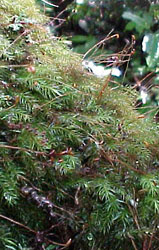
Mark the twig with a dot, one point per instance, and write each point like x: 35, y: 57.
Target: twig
x: 21, y: 177
x: 23, y: 149
x: 8, y: 108
x: 76, y: 196
x: 132, y: 241
x: 129, y: 56
x: 151, y: 238
x: 14, y: 66
x: 100, y: 42
x: 130, y: 167
x: 10, y: 45
x: 111, y: 160
x: 53, y: 5
x: 96, y: 57
x: 134, y: 217
x: 33, y: 231
x: 17, y: 223
x: 104, y: 87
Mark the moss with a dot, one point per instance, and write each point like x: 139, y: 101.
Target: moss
x: 27, y: 9
x: 79, y: 152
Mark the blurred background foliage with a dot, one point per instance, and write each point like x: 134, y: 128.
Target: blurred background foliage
x: 86, y: 22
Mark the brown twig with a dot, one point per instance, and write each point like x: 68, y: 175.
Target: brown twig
x: 130, y: 167
x: 23, y: 149
x: 17, y: 38
x: 14, y: 66
x: 134, y: 216
x: 76, y: 196
x: 34, y: 232
x: 17, y: 223
x: 100, y: 42
x: 132, y: 241
x: 104, y: 87
x: 112, y: 161
x: 139, y: 82
x: 151, y: 237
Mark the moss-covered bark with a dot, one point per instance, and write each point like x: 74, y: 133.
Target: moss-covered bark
x: 77, y: 167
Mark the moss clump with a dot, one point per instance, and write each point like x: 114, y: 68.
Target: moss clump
x: 77, y: 166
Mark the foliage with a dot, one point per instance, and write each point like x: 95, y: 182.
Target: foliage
x: 79, y: 166
x: 86, y: 22
x: 89, y: 21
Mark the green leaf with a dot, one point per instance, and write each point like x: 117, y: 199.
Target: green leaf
x: 130, y: 26
x: 81, y: 39
x: 150, y: 45
x: 51, y: 247
x: 141, y: 23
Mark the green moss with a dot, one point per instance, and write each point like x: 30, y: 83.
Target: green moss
x: 27, y: 9
x: 85, y: 151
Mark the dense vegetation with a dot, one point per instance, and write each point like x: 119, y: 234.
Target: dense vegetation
x: 87, y: 22
x: 79, y: 166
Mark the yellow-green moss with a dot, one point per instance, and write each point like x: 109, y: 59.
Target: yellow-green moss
x: 9, y: 8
